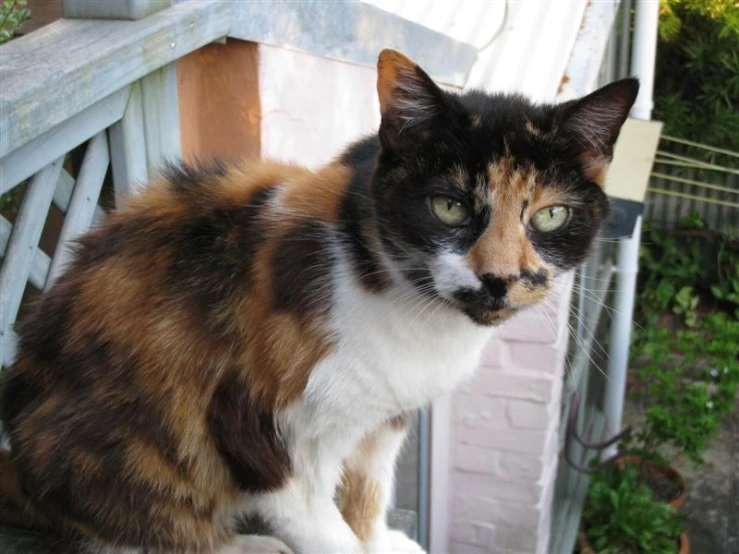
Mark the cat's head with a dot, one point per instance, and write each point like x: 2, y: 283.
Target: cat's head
x: 481, y: 200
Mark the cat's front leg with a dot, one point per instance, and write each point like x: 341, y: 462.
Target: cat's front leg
x: 307, y: 519
x: 367, y: 486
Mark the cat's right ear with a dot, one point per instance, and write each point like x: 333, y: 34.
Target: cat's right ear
x: 410, y: 101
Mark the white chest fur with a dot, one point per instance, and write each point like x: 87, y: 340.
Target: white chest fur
x: 395, y: 352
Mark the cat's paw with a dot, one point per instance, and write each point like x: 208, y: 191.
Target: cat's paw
x: 256, y: 544
x: 393, y: 542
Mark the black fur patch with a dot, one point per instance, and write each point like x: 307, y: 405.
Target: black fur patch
x: 357, y: 214
x: 186, y: 178
x: 301, y: 270
x: 495, y: 286
x: 534, y: 279
x: 214, y: 254
x: 247, y: 437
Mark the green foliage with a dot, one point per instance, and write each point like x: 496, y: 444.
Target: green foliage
x: 671, y: 11
x: 679, y: 270
x: 669, y: 264
x: 686, y: 303
x: 686, y: 379
x: 11, y: 200
x: 697, y: 73
x: 623, y: 518
x: 687, y: 382
x: 12, y: 14
x: 726, y: 290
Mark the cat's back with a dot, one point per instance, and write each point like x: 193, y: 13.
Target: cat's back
x: 165, y: 265
x: 118, y: 365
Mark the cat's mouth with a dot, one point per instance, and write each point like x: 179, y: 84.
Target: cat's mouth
x: 481, y: 308
x: 483, y: 316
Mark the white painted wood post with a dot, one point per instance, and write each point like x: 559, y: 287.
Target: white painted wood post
x: 128, y: 146
x: 19, y: 256
x: 148, y: 135
x: 161, y: 117
x: 82, y: 203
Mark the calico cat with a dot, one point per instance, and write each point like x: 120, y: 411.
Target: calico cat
x: 247, y: 339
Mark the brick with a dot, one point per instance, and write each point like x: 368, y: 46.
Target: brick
x: 475, y: 460
x: 494, y: 354
x: 562, y: 296
x: 525, y: 441
x: 475, y: 411
x: 542, y: 541
x: 496, y: 511
x: 484, y: 534
x: 552, y: 446
x: 505, y: 384
x: 531, y: 326
x: 487, y: 486
x: 463, y: 548
x: 514, y: 539
x: 519, y: 467
x: 463, y: 531
x: 522, y: 414
x: 529, y: 356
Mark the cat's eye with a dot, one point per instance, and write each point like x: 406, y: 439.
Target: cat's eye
x: 550, y: 219
x: 449, y: 211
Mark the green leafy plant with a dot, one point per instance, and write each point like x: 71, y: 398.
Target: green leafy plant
x: 697, y: 72
x: 686, y: 303
x: 680, y: 269
x: 622, y: 517
x: 727, y: 288
x: 684, y: 374
x: 669, y: 264
x: 686, y: 382
x: 12, y: 15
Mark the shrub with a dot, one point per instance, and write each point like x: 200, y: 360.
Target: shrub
x: 622, y: 517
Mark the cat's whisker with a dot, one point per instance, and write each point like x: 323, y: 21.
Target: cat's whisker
x: 569, y: 374
x: 581, y: 319
x: 611, y: 310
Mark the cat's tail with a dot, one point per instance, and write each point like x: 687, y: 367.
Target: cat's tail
x: 15, y: 510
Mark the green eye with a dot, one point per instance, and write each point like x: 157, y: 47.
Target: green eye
x: 550, y: 219
x: 449, y: 211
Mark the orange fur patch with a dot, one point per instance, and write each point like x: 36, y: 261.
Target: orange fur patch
x: 359, y: 498
x: 389, y: 66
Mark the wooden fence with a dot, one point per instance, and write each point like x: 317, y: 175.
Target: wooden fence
x: 693, y: 178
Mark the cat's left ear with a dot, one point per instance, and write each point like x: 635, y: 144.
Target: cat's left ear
x: 409, y: 99
x: 592, y: 124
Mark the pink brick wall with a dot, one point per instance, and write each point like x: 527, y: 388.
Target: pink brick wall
x: 504, y: 435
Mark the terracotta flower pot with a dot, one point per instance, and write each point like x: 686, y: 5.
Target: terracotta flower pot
x: 672, y: 473
x: 586, y: 548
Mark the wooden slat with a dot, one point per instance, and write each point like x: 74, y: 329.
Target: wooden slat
x: 43, y: 150
x: 82, y: 206
x: 8, y: 341
x: 63, y: 194
x: 51, y: 76
x: 40, y: 262
x: 128, y: 146
x: 161, y: 117
x: 24, y: 241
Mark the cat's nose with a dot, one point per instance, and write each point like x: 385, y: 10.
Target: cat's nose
x: 496, y: 287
